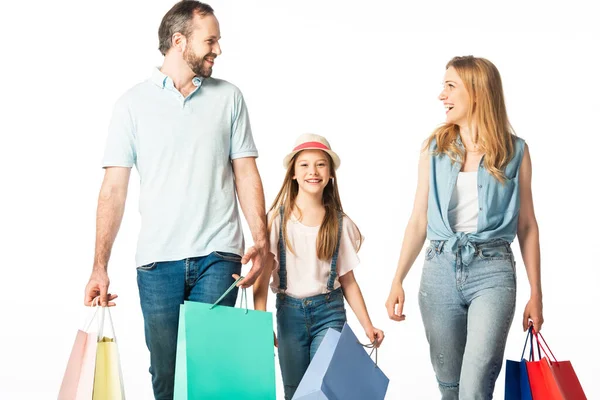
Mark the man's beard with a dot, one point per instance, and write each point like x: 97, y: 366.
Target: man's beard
x: 197, y: 64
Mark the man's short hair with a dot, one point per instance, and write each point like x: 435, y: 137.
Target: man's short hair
x: 179, y: 19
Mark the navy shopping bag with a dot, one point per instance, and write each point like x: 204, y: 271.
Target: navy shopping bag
x: 516, y: 383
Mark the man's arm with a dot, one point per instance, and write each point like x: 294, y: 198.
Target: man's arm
x: 111, y: 205
x: 252, y: 200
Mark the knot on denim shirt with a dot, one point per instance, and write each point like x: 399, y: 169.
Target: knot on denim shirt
x: 460, y: 242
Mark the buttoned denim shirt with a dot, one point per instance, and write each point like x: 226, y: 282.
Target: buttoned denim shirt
x: 499, y: 202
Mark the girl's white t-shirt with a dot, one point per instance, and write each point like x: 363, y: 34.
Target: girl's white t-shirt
x: 306, y: 274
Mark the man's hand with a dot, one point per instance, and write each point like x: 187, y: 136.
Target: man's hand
x: 257, y: 254
x: 98, y: 286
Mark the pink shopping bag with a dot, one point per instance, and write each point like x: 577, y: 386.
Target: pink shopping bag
x: 78, y: 381
x: 89, y: 349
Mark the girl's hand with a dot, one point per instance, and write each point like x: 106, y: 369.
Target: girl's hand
x: 375, y: 335
x: 395, y: 303
x: 275, y: 342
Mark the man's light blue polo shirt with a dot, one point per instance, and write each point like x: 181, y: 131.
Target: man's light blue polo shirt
x: 182, y: 148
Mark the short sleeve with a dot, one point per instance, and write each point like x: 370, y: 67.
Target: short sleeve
x: 242, y: 142
x: 349, y: 245
x: 120, y: 148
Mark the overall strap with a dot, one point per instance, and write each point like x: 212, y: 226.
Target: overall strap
x: 282, y: 270
x: 333, y: 274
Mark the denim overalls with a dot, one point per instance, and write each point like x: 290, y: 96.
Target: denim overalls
x: 302, y: 323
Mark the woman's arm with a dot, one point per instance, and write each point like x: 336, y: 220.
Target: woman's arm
x: 529, y: 241
x: 414, y: 237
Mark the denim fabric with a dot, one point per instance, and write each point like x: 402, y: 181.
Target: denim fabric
x: 333, y: 273
x: 467, y: 311
x: 499, y: 203
x: 301, y: 326
x: 163, y: 286
x: 302, y: 323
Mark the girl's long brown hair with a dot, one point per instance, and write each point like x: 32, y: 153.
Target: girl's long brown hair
x: 328, y: 237
x: 487, y: 111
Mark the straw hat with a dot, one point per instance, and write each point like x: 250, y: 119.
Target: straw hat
x: 310, y: 141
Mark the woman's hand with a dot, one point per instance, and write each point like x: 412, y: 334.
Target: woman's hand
x: 395, y: 302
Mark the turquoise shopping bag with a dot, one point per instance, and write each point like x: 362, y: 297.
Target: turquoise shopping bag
x: 224, y: 352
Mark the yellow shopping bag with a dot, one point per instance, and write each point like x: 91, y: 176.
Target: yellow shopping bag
x: 108, y: 379
x: 108, y: 383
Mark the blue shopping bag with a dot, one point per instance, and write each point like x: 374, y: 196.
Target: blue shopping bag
x: 342, y: 370
x: 516, y: 383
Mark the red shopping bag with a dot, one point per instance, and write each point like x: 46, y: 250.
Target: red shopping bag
x: 551, y: 379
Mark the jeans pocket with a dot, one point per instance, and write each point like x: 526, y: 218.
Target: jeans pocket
x: 232, y: 257
x: 501, y: 252
x: 336, y: 304
x: 147, y: 267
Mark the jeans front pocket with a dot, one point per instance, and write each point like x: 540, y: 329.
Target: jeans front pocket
x: 336, y: 303
x: 147, y: 267
x: 500, y: 251
x: 228, y: 256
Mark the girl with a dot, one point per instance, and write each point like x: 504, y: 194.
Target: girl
x: 313, y: 248
x: 473, y: 197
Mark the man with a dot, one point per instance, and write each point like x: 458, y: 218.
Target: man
x: 190, y: 139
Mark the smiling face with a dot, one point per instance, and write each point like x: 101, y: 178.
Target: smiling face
x: 312, y: 171
x: 456, y: 98
x: 202, y: 45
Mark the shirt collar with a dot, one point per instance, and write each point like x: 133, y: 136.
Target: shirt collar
x: 197, y: 81
x: 160, y: 79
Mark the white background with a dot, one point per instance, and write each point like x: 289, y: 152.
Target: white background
x: 366, y: 75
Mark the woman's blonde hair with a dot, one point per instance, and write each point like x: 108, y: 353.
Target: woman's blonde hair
x: 328, y: 236
x: 487, y: 111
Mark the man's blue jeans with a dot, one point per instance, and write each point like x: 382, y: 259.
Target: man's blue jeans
x: 163, y: 287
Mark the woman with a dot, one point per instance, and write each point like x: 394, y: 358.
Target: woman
x: 473, y: 197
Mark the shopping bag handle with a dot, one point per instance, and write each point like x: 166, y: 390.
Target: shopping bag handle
x: 545, y: 346
x: 531, y: 353
x: 94, y: 314
x: 244, y: 298
x: 91, y: 314
x: 372, y: 346
x: 101, y: 323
